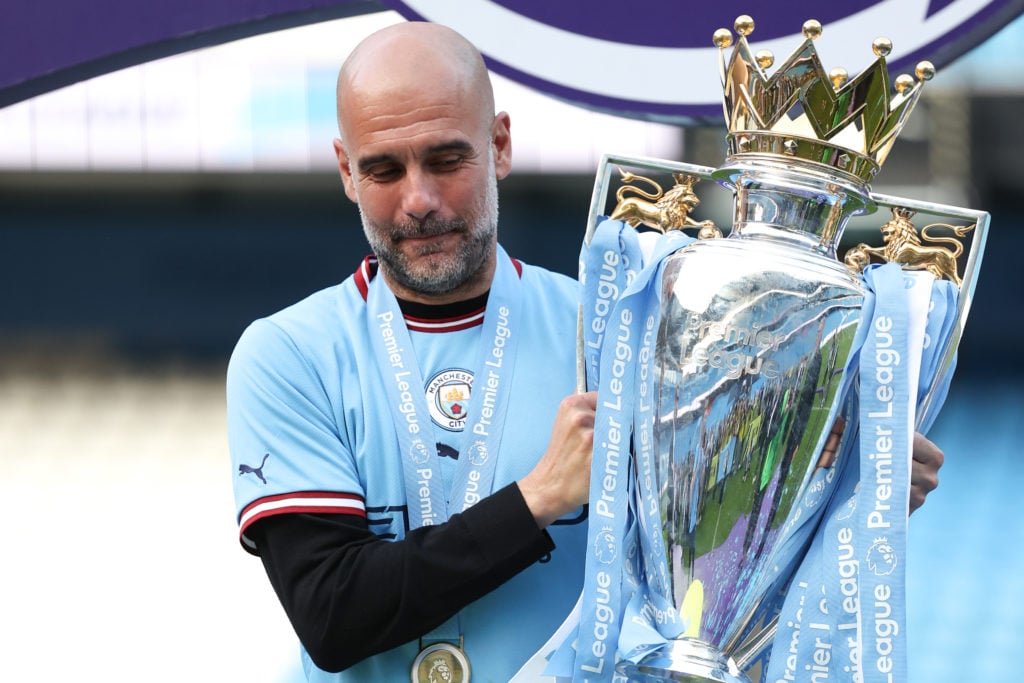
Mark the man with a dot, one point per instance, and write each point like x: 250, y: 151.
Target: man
x: 420, y: 151
x: 439, y: 337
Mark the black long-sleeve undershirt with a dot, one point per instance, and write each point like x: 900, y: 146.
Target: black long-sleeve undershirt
x: 350, y: 595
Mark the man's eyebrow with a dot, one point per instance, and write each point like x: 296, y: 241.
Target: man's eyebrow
x: 452, y: 146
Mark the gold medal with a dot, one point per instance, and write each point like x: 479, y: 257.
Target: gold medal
x: 440, y: 663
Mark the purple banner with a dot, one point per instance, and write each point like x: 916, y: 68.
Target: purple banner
x: 647, y: 58
x: 47, y: 44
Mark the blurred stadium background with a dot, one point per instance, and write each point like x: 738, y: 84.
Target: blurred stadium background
x: 148, y: 215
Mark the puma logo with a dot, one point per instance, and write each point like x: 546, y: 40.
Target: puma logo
x: 258, y: 471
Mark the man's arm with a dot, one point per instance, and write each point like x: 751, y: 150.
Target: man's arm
x: 350, y: 595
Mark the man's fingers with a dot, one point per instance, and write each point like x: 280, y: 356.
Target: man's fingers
x: 828, y: 453
x: 924, y: 471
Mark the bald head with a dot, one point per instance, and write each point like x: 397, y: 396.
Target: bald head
x: 405, y: 60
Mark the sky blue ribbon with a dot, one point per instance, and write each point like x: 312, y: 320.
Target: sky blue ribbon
x: 844, y: 617
x: 426, y: 499
x: 403, y: 383
x: 620, y: 323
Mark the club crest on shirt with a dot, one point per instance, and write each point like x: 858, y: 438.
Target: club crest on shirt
x: 448, y: 395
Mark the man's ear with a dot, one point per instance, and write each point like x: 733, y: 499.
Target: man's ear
x: 345, y: 169
x: 501, y: 138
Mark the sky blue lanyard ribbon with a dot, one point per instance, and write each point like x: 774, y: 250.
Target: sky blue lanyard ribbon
x: 620, y: 324
x: 608, y: 265
x: 844, y: 617
x: 426, y: 498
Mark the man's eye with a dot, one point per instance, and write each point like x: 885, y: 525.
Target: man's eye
x: 448, y: 163
x: 382, y: 173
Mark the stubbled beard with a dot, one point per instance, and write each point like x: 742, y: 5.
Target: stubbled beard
x: 442, y: 274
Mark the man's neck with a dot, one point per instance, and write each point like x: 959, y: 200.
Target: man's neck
x: 455, y: 309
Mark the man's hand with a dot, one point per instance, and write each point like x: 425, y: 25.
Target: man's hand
x: 924, y: 471
x: 560, y: 482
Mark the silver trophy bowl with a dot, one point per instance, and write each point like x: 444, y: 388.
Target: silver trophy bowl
x: 754, y: 337
x: 753, y: 341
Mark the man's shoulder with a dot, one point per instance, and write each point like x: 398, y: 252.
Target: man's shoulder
x: 550, y: 284
x: 317, y: 308
x: 323, y: 318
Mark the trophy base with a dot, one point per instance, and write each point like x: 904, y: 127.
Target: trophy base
x: 687, y: 660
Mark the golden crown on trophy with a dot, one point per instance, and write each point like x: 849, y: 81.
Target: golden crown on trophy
x: 803, y: 113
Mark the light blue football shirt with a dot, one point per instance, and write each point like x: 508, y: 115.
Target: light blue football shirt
x: 308, y: 419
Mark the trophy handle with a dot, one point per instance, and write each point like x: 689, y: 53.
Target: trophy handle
x: 967, y: 285
x: 607, y: 165
x: 598, y: 203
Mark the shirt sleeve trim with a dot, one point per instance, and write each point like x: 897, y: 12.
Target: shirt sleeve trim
x: 297, y: 502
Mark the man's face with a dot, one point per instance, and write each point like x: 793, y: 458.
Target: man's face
x: 431, y: 254
x: 423, y: 170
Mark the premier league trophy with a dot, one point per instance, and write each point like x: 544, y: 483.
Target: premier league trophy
x: 735, y: 359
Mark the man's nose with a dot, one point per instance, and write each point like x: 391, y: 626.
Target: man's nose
x: 420, y: 195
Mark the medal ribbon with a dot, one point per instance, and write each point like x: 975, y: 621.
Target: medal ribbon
x: 403, y: 383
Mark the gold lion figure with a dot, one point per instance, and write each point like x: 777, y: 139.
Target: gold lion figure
x: 661, y: 210
x: 903, y: 245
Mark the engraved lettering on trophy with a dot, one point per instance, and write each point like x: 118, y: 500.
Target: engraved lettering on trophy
x: 904, y: 245
x: 711, y: 335
x: 661, y: 210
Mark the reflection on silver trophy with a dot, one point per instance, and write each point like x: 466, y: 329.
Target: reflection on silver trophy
x: 755, y: 337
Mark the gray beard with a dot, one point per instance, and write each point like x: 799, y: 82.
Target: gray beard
x: 471, y: 257
x: 444, y: 277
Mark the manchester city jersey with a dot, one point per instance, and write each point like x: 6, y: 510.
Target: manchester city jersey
x: 311, y: 430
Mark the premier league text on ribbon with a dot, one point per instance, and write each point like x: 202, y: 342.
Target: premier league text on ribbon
x: 604, y: 504
x: 402, y: 375
x: 607, y: 292
x: 408, y: 409
x: 822, y: 655
x: 887, y: 360
x: 493, y: 383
